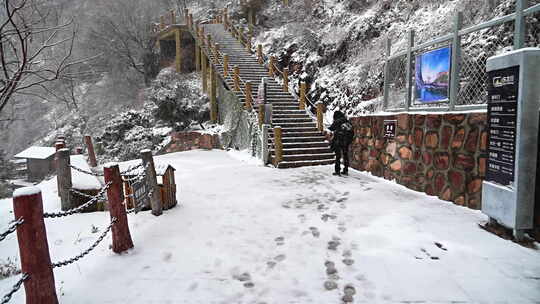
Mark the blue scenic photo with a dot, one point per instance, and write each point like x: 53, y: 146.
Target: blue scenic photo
x: 432, y: 72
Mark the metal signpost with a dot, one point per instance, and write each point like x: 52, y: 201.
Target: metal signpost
x: 508, y: 195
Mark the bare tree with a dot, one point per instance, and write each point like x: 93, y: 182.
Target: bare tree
x: 35, y: 49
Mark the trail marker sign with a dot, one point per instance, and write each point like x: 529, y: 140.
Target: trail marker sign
x: 508, y: 192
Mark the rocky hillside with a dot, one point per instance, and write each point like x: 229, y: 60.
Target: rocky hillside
x: 338, y: 46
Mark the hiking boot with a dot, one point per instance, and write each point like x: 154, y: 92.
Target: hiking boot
x: 345, y: 172
x: 336, y: 174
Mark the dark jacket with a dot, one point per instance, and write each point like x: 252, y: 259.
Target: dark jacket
x: 342, y: 137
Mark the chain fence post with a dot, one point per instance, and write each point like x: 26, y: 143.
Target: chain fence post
x: 121, y: 237
x: 278, y: 145
x: 151, y: 178
x: 33, y: 247
x: 91, y: 152
x: 320, y: 122
x: 388, y: 47
x: 456, y: 61
x: 286, y: 80
x: 264, y: 145
x: 63, y: 178
x: 520, y: 25
x: 409, y: 69
x: 213, y: 95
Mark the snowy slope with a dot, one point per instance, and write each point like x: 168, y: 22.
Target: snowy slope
x: 236, y: 217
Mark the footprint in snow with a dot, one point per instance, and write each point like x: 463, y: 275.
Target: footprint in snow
x: 280, y: 257
x: 441, y: 246
x: 315, y: 231
x: 280, y: 240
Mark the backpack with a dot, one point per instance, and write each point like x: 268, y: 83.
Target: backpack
x: 347, y: 132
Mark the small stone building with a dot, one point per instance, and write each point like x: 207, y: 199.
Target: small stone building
x: 39, y: 162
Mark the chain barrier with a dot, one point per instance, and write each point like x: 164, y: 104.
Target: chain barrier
x: 129, y: 169
x: 83, y: 194
x: 81, y: 207
x: 14, y: 289
x: 85, y: 172
x: 11, y: 228
x: 87, y: 251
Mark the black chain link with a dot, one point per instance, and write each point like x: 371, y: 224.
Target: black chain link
x: 14, y: 289
x: 87, y: 251
x: 131, y: 169
x: 81, y: 207
x: 86, y: 172
x: 84, y: 194
x: 11, y: 228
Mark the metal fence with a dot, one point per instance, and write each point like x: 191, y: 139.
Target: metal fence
x: 470, y: 49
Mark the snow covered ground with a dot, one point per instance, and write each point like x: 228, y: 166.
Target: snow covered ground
x: 244, y: 233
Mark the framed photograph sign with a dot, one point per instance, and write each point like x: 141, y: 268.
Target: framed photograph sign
x: 432, y: 76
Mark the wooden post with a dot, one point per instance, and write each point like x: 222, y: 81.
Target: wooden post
x: 260, y: 54
x: 90, y: 149
x: 197, y: 55
x: 186, y: 14
x: 190, y: 24
x: 241, y: 35
x: 204, y: 73
x: 209, y: 41
x: 248, y: 43
x: 173, y: 17
x: 278, y: 146
x: 151, y: 178
x: 249, y: 96
x: 225, y: 65
x: 121, y: 237
x: 236, y: 78
x: 285, y: 79
x: 178, y: 57
x: 213, y: 95
x: 264, y: 145
x: 271, y: 66
x: 302, y: 96
x: 161, y: 22
x: 320, y: 124
x: 59, y: 145
x: 63, y: 178
x: 216, y: 49
x: 33, y: 247
x: 261, y: 114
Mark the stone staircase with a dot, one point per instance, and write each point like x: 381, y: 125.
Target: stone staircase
x: 303, y: 144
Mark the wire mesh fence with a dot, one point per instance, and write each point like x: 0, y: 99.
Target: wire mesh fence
x: 532, y: 35
x: 476, y: 48
x: 397, y: 82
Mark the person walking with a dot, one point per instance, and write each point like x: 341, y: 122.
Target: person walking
x: 343, y: 136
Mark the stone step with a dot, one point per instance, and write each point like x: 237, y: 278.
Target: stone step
x: 289, y: 130
x: 303, y: 145
x: 304, y: 151
x: 298, y: 115
x: 303, y: 157
x: 303, y: 139
x: 277, y: 121
x: 298, y: 134
x: 297, y: 164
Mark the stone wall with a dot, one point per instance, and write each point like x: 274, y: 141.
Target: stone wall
x: 185, y: 141
x: 440, y: 154
x: 241, y: 128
